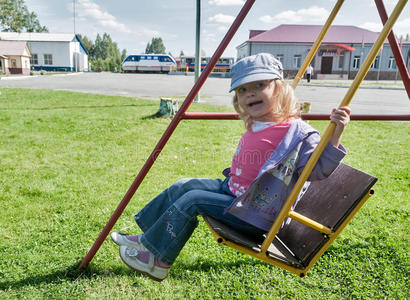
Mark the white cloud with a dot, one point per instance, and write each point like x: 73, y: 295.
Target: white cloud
x: 305, y: 15
x: 223, y: 28
x: 226, y: 2
x: 89, y: 9
x: 401, y: 27
x: 222, y: 19
x: 208, y: 36
x: 373, y: 26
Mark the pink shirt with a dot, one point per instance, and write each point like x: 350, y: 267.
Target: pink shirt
x: 253, y: 151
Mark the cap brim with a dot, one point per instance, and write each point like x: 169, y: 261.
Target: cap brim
x: 252, y: 78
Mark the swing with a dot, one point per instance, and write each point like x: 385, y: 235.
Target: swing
x: 318, y: 218
x: 297, y: 237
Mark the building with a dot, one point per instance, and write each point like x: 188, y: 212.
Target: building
x: 14, y: 57
x: 341, y: 54
x: 52, y: 51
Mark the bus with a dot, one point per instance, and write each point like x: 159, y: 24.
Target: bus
x: 148, y: 62
x: 187, y: 63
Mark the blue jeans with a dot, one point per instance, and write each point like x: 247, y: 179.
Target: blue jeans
x: 170, y: 218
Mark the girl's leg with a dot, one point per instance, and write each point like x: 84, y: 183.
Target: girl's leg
x: 154, y: 210
x: 167, y: 236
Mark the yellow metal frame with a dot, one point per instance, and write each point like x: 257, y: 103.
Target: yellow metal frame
x: 286, y: 209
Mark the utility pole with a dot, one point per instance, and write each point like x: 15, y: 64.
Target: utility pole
x: 74, y: 14
x: 75, y: 58
x: 198, y: 45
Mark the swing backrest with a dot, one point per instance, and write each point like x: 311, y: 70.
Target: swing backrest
x: 329, y: 202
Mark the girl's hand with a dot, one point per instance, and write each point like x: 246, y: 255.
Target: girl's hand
x: 341, y: 118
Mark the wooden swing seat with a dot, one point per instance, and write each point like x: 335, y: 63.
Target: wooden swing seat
x: 332, y: 202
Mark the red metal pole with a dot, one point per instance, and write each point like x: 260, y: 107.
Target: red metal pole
x: 360, y: 117
x: 235, y: 116
x: 395, y: 48
x: 167, y: 134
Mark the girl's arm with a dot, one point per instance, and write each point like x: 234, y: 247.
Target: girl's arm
x: 341, y: 118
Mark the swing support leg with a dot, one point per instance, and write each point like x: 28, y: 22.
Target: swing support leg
x: 167, y: 134
x: 395, y: 48
x: 285, y: 211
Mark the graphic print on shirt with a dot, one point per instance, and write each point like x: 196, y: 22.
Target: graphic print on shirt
x: 236, y: 187
x: 262, y: 198
x: 285, y: 169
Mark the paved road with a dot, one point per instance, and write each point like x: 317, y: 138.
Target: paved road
x: 215, y: 90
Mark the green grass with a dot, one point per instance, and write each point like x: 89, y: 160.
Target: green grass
x: 67, y: 159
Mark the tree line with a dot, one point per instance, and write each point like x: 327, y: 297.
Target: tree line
x: 103, y: 53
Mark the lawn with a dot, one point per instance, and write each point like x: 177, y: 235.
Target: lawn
x: 67, y: 159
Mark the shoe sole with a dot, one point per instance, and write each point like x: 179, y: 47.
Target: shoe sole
x: 141, y: 272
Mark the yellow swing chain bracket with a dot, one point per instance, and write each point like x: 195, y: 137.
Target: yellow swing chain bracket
x: 331, y: 127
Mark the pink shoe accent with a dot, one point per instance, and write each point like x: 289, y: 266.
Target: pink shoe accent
x: 160, y: 264
x: 144, y: 256
x: 133, y: 238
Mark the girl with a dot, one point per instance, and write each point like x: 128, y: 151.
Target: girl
x: 270, y: 156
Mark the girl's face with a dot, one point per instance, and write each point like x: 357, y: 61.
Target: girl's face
x: 257, y: 100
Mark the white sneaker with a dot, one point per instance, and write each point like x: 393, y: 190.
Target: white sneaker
x: 123, y: 239
x: 143, y: 262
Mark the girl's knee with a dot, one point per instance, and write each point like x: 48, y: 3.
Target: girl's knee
x: 189, y: 199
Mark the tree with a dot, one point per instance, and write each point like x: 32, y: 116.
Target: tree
x: 104, y: 54
x: 15, y: 16
x: 156, y: 46
x: 123, y: 54
x: 88, y: 44
x: 181, y: 53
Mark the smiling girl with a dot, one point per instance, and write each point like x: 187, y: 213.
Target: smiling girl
x: 276, y: 143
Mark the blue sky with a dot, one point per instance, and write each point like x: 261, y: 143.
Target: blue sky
x: 133, y: 23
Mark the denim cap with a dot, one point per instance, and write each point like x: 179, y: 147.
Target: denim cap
x: 262, y: 66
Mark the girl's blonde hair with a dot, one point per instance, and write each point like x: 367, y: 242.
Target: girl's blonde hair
x: 285, y: 106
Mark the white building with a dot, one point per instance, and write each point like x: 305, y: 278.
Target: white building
x: 52, y: 51
x: 341, y: 54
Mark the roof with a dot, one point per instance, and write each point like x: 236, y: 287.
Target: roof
x: 343, y: 34
x: 41, y: 37
x: 37, y: 36
x: 18, y: 48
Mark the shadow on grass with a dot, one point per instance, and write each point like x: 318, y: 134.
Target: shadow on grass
x: 73, y: 274
x: 207, y: 265
x: 156, y: 116
x: 74, y: 107
x: 70, y: 274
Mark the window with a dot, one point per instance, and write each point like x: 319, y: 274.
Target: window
x: 392, y: 63
x: 341, y: 60
x: 297, y: 61
x: 356, y: 62
x: 280, y: 58
x: 13, y: 63
x: 34, y: 59
x: 375, y: 64
x: 48, y: 59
